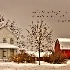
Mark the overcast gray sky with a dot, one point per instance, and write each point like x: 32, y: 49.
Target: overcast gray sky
x: 57, y: 18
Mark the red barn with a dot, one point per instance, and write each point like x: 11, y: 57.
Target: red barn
x: 66, y: 52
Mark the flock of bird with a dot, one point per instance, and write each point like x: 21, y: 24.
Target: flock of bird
x: 52, y: 14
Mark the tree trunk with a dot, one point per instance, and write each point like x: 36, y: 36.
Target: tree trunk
x: 39, y: 55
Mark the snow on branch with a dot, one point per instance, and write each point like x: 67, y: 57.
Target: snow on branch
x: 39, y: 35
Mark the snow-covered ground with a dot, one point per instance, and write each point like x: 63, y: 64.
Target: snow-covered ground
x: 29, y: 66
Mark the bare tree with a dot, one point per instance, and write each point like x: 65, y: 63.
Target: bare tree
x: 39, y: 37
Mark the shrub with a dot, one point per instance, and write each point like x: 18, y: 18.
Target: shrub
x: 56, y: 58
x: 22, y: 57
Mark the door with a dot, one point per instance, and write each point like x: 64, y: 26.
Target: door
x: 11, y: 52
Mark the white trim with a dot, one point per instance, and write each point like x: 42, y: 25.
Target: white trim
x: 6, y: 45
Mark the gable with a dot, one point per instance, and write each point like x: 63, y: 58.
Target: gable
x: 6, y: 33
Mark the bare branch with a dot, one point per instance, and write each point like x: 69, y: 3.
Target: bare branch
x: 38, y: 35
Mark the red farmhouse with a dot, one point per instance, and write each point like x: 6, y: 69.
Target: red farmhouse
x: 66, y: 52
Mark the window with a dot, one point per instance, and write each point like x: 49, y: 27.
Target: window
x: 4, y: 51
x: 11, y: 41
x: 4, y: 40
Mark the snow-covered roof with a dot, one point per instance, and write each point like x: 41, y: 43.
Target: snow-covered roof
x: 6, y: 45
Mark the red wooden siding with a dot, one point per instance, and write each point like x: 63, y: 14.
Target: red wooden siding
x: 66, y: 52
